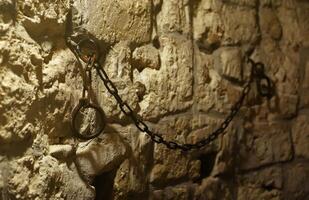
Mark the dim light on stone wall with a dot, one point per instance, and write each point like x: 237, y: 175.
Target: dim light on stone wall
x: 86, y: 49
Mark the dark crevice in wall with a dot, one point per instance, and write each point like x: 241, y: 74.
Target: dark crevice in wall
x: 269, y: 187
x: 156, y: 43
x: 207, y: 165
x: 104, y: 184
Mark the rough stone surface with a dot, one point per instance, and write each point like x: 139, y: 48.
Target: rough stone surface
x: 100, y: 155
x: 264, y: 145
x: 60, y: 151
x: 123, y: 20
x: 296, y: 181
x: 230, y: 64
x: 301, y: 136
x: 181, y: 66
x: 146, y: 56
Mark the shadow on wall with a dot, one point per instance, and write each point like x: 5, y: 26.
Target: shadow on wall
x: 103, y: 184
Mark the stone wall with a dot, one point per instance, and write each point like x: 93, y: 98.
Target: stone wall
x: 181, y: 65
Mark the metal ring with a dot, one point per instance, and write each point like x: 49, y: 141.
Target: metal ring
x: 264, y: 90
x: 259, y: 69
x: 83, y: 104
x: 91, y: 48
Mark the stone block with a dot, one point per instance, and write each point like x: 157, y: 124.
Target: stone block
x: 265, y: 144
x: 296, y: 181
x: 100, y: 155
x: 212, y: 189
x: 146, y: 56
x: 270, y: 178
x: 61, y: 151
x: 251, y: 193
x: 300, y: 135
x: 237, y: 28
x: 169, y: 89
x: 174, y: 16
x: 114, y: 21
x: 229, y: 64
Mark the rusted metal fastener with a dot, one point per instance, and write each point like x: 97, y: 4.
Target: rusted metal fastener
x: 88, y: 49
x: 87, y: 134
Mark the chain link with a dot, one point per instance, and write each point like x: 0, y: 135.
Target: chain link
x: 157, y: 138
x: 257, y: 72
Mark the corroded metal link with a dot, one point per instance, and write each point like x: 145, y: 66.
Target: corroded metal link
x: 111, y: 87
x: 125, y: 108
x: 142, y: 126
x: 264, y: 87
x: 171, y: 145
x: 263, y: 82
x: 257, y: 71
x: 157, y: 138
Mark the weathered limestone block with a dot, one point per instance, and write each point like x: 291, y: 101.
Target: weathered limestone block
x: 229, y: 63
x: 304, y: 101
x: 251, y: 193
x: 271, y: 178
x: 156, y: 195
x: 300, y: 136
x: 304, y: 65
x: 43, y: 18
x: 131, y: 180
x: 4, y: 172
x: 269, y: 24
x: 146, y: 56
x: 100, y: 155
x: 182, y: 191
x: 291, y: 77
x: 114, y: 21
x: 61, y: 151
x: 225, y: 24
x: 12, y: 130
x: 288, y: 105
x: 265, y: 144
x: 165, y: 170
x: 141, y: 146
x: 6, y: 16
x: 303, y: 20
x: 60, y: 65
x: 296, y: 181
x: 212, y: 189
x: 46, y: 179
x: 213, y: 93
x: 188, y: 128
x: 74, y: 186
x: 208, y: 25
x: 22, y: 82
x: 119, y: 69
x: 271, y: 3
x: 174, y: 16
x: 237, y: 28
x: 247, y: 3
x: 282, y: 107
x: 169, y: 89
x: 288, y: 19
x: 226, y: 159
x: 178, y: 192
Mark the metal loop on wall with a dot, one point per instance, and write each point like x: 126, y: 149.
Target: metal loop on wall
x: 88, y: 49
x: 85, y: 104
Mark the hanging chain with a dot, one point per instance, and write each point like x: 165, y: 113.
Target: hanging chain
x: 257, y: 73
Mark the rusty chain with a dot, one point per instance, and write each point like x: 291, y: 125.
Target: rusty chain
x: 264, y: 88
